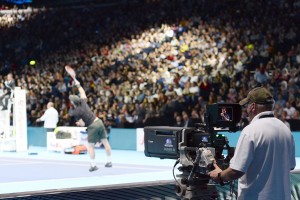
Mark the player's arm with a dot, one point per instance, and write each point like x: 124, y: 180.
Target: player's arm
x: 80, y: 89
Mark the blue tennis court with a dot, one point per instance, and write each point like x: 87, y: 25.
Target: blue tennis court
x: 24, y: 172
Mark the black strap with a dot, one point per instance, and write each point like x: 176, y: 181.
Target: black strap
x: 266, y: 116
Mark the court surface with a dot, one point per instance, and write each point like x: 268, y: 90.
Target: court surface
x: 40, y: 170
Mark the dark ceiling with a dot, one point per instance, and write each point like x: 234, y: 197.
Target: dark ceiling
x: 57, y: 3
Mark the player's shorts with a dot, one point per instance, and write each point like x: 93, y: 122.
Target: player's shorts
x: 96, y: 131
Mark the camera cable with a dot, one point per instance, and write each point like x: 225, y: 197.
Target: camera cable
x: 176, y: 163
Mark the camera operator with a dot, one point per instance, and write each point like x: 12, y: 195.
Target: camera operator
x: 264, y: 155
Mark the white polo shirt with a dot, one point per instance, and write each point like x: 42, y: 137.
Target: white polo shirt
x: 266, y: 153
x: 50, y: 118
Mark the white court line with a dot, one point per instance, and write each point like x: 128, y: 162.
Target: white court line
x: 89, y: 178
x: 17, y: 163
x: 77, y: 164
x: 48, y: 180
x: 14, y: 160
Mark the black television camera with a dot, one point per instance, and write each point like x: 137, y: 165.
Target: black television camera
x: 196, y: 149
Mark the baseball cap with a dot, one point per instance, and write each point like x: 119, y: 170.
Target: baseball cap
x: 74, y: 98
x: 259, y: 95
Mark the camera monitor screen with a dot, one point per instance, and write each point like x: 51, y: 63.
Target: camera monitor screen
x: 223, y: 115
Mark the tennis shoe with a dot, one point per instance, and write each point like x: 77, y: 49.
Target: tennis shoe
x: 4, y: 108
x: 95, y: 168
x: 109, y: 164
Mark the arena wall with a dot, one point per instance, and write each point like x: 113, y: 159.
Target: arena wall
x: 128, y: 139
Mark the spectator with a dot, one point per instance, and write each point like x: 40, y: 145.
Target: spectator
x: 283, y: 118
x: 178, y: 121
x: 261, y: 76
x: 296, y: 115
x: 187, y: 121
x: 289, y: 110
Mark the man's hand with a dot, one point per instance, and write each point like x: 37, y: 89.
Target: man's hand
x: 80, y: 123
x: 228, y: 174
x: 214, y: 173
x: 77, y: 83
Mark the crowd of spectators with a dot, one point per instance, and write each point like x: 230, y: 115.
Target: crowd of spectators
x: 156, y: 62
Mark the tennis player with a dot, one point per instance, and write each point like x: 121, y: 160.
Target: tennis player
x: 95, y: 127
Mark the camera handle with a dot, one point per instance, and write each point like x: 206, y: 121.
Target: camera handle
x: 193, y: 181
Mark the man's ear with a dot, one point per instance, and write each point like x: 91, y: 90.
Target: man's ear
x: 253, y: 106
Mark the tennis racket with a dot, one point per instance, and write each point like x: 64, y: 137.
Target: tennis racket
x: 70, y: 71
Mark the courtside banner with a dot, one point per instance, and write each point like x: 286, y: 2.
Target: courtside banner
x: 20, y: 119
x: 65, y: 137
